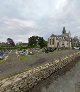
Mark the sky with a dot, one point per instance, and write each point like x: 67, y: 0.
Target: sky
x: 20, y: 19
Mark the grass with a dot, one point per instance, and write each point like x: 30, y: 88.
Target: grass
x: 56, y: 51
x: 2, y: 61
x: 24, y: 57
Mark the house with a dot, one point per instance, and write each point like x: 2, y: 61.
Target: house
x: 60, y: 41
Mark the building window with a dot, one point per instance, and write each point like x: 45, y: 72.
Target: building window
x: 53, y: 41
x: 50, y: 41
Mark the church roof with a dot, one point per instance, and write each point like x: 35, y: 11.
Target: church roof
x: 53, y: 35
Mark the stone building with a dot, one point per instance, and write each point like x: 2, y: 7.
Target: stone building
x: 75, y: 42
x: 60, y: 41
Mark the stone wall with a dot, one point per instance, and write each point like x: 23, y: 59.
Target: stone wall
x: 24, y: 81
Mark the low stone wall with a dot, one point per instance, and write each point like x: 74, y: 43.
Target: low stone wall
x: 24, y: 81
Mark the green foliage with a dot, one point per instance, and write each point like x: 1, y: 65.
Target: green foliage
x: 36, y: 41
x: 10, y: 42
x: 21, y: 45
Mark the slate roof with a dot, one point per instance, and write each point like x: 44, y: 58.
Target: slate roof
x: 53, y: 35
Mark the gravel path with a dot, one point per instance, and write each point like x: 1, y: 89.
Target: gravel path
x: 14, y: 65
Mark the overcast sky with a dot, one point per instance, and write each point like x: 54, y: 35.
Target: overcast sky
x: 20, y: 19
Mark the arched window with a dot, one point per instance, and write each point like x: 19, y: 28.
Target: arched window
x: 50, y: 41
x: 53, y: 41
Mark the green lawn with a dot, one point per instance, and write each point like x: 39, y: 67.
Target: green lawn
x: 36, y: 55
x: 56, y: 51
x: 2, y: 61
x: 24, y: 57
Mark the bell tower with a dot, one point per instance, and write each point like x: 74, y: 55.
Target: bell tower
x: 63, y: 31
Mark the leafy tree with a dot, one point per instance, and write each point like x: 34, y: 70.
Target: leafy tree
x: 10, y: 42
x: 36, y: 41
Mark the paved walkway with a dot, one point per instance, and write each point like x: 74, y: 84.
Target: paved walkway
x: 14, y: 65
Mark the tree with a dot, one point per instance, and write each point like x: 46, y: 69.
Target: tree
x: 10, y: 42
x: 42, y: 42
x: 21, y: 45
x: 36, y: 41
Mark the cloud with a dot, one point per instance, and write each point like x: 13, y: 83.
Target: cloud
x: 14, y: 23
x: 20, y: 19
